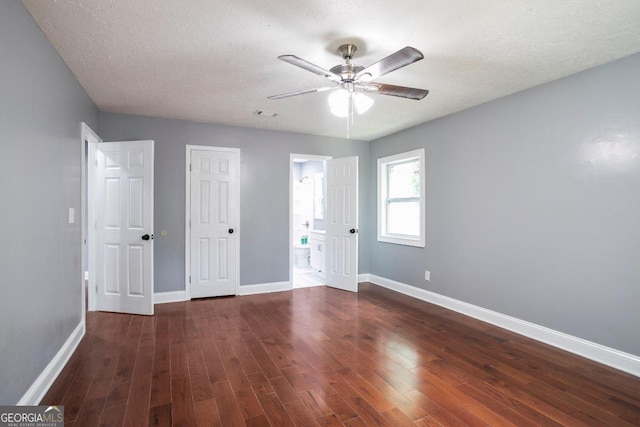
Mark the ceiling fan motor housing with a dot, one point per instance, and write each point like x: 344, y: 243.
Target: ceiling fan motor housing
x: 347, y: 71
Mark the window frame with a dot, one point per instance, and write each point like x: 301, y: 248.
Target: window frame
x: 383, y: 199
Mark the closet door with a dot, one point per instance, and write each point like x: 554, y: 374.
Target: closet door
x: 214, y: 234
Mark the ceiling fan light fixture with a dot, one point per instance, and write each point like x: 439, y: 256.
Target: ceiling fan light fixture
x: 339, y: 103
x: 340, y: 99
x: 363, y: 102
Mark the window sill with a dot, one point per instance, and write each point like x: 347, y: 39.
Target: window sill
x: 417, y: 242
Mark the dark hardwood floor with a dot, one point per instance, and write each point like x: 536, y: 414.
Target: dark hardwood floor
x: 319, y: 356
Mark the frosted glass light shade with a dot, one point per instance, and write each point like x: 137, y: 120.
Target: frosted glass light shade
x: 339, y: 103
x: 340, y: 99
x: 363, y: 103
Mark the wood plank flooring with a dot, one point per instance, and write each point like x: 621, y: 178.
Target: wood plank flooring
x: 323, y: 357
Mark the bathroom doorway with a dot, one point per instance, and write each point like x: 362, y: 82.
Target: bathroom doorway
x: 307, y: 220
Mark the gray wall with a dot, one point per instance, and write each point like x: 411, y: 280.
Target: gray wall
x: 533, y: 206
x: 41, y: 107
x: 264, y: 222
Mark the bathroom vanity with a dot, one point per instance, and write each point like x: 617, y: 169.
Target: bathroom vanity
x: 317, y: 241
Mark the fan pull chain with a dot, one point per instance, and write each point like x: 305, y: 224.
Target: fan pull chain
x: 347, y: 127
x: 349, y: 113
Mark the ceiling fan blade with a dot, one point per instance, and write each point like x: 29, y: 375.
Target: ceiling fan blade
x: 401, y: 58
x: 393, y: 90
x: 302, y: 92
x: 299, y: 62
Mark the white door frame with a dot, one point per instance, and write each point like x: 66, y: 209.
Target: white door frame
x: 187, y: 212
x: 89, y: 139
x: 292, y: 157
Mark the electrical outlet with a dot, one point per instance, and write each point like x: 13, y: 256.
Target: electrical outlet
x: 427, y: 275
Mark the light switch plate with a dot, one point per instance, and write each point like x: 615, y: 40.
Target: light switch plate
x: 427, y: 275
x: 72, y: 215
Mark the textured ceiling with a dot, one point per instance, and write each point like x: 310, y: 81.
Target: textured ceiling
x: 216, y: 61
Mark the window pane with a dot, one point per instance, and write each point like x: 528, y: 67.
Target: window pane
x: 403, y: 218
x: 404, y: 179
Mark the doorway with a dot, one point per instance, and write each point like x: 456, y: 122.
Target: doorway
x: 307, y: 245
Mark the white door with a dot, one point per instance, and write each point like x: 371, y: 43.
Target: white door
x: 123, y: 203
x: 342, y: 224
x: 214, y: 221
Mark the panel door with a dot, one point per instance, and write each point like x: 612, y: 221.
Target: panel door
x: 342, y: 224
x: 124, y: 226
x: 213, y: 215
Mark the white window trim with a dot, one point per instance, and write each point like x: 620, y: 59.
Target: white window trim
x: 383, y: 236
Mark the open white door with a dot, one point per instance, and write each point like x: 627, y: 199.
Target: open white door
x: 213, y: 218
x: 122, y: 197
x: 342, y: 224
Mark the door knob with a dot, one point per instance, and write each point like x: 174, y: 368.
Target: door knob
x: 147, y: 237
x: 231, y: 230
x: 352, y: 231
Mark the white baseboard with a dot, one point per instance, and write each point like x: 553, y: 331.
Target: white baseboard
x: 260, y: 288
x: 608, y: 356
x: 365, y: 277
x: 264, y: 288
x: 41, y: 385
x: 165, y: 297
x: 308, y: 285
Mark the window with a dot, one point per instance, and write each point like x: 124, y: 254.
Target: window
x: 401, y: 198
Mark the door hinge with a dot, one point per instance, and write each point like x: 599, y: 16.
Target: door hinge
x: 189, y: 279
x: 189, y: 223
x: 96, y: 289
x: 189, y: 167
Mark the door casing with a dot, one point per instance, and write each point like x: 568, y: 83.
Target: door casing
x: 88, y: 141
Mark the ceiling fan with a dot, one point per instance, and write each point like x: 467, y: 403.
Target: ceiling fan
x: 352, y: 78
